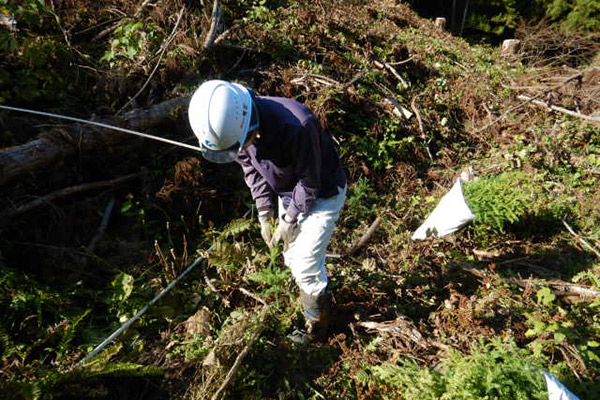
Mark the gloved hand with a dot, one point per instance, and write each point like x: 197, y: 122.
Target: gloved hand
x: 286, y: 231
x: 266, y: 220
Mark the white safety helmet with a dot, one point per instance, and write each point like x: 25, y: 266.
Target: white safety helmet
x: 220, y: 114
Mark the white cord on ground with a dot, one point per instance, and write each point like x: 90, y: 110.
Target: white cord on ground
x: 100, y: 124
x: 127, y: 324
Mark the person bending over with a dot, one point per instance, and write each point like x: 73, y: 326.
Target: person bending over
x: 290, y: 164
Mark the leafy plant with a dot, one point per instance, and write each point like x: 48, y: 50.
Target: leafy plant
x: 130, y: 40
x: 359, y: 202
x: 495, y: 370
x: 122, y: 287
x: 500, y: 200
x: 275, y: 278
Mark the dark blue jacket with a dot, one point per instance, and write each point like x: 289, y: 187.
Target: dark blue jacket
x: 292, y: 158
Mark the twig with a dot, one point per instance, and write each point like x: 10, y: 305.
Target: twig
x: 418, y: 114
x: 107, y: 31
x: 141, y: 8
x: 64, y: 193
x: 105, y: 218
x: 582, y: 240
x: 238, y: 361
x: 352, y: 81
x: 557, y: 108
x: 223, y: 35
x: 214, y: 289
x: 409, y: 59
x: 57, y: 19
x: 365, y: 238
x: 501, y: 117
x: 324, y: 80
x: 413, y: 106
x: 162, y: 53
x: 387, y: 66
x: 254, y: 296
x: 98, y: 25
x: 212, y: 32
x: 237, y: 63
x: 563, y: 351
x: 120, y: 22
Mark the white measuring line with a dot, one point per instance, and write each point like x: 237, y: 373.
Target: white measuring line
x: 127, y: 324
x: 102, y: 125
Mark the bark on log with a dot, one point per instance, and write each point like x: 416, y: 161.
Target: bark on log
x: 54, y: 146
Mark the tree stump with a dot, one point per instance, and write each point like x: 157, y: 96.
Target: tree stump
x: 510, y: 46
x: 440, y: 22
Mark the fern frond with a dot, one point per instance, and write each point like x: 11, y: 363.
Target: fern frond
x: 235, y: 227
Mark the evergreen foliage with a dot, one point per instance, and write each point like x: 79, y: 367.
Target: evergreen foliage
x: 500, y: 200
x: 493, y: 371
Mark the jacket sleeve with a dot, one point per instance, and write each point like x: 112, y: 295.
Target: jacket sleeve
x: 307, y: 147
x: 261, y: 191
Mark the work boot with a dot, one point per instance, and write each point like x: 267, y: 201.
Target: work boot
x: 316, y: 318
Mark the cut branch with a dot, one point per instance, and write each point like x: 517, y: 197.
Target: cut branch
x: 581, y: 240
x: 162, y: 51
x: 352, y: 81
x: 7, y: 216
x: 105, y: 218
x: 557, y: 108
x: 387, y: 66
x: 214, y: 24
x: 366, y: 237
x: 253, y: 295
x: 220, y: 393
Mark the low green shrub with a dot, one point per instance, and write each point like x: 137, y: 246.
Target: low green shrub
x: 494, y: 370
x: 500, y: 200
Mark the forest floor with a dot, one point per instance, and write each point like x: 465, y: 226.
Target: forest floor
x: 410, y: 107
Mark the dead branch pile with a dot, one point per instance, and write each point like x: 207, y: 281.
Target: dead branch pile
x: 578, y: 91
x: 546, y: 46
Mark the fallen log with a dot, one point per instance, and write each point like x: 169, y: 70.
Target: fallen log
x: 53, y: 146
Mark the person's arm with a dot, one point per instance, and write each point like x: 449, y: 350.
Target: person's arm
x: 306, y: 146
x: 261, y: 191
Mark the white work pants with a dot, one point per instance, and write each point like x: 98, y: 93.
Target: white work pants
x: 305, y: 256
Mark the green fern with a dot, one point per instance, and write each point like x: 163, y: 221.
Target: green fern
x: 274, y: 278
x: 235, y: 227
x: 588, y: 276
x: 501, y: 200
x: 493, y: 371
